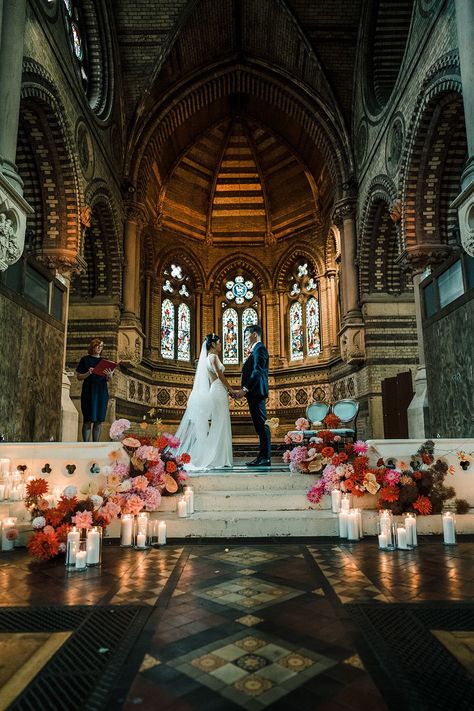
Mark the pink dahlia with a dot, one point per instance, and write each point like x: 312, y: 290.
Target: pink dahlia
x: 118, y: 427
x: 139, y: 483
x: 83, y: 519
x: 302, y: 423
x: 148, y: 453
x: 133, y: 505
x: 392, y: 477
x: 287, y: 456
x: 360, y: 447
x: 152, y: 498
x: 316, y: 492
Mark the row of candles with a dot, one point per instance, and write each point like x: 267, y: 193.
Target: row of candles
x: 391, y: 536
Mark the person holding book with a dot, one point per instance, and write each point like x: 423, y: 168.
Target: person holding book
x: 95, y: 393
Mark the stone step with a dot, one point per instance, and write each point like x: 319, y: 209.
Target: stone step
x: 284, y: 500
x: 251, y: 480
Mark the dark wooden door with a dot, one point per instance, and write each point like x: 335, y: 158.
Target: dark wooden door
x: 397, y: 393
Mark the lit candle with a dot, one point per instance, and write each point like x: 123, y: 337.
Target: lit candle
x: 402, y: 538
x: 161, y: 533
x: 126, y: 530
x: 81, y: 557
x: 336, y: 500
x: 345, y: 502
x: 182, y: 508
x: 142, y: 523
x: 343, y: 524
x: 359, y: 522
x: 386, y: 526
x: 93, y: 546
x: 72, y: 546
x: 449, y: 531
x: 410, y: 525
x: 2, y: 492
x: 141, y: 539
x: 189, y: 498
x: 8, y: 525
x: 352, y: 526
x: 5, y: 465
x: 382, y: 540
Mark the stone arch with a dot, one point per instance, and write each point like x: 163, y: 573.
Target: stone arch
x: 101, y: 64
x: 434, y: 156
x: 102, y: 248
x: 288, y: 260
x: 48, y: 135
x: 332, y: 248
x: 228, y: 266
x: 188, y: 259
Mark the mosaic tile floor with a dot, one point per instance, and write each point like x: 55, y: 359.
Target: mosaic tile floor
x: 279, y: 625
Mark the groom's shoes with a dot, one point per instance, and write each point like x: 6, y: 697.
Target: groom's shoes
x: 259, y: 462
x: 253, y: 463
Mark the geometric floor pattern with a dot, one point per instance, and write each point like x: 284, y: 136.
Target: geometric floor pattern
x: 324, y: 626
x: 252, y: 670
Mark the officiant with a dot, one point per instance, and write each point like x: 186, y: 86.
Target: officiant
x: 95, y: 393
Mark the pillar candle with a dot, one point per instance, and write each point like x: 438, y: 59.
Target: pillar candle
x: 126, y: 530
x: 359, y: 522
x: 352, y: 526
x: 336, y: 500
x: 8, y: 524
x: 2, y: 492
x: 382, y: 540
x: 343, y: 524
x: 345, y: 502
x: 81, y: 558
x: 93, y: 547
x: 142, y: 524
x: 72, y: 546
x: 5, y: 465
x: 141, y: 540
x: 402, y: 538
x: 410, y: 525
x: 189, y: 498
x: 161, y: 533
x: 449, y: 531
x: 386, y: 526
x: 182, y: 508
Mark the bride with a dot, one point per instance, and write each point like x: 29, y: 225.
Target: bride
x: 205, y: 432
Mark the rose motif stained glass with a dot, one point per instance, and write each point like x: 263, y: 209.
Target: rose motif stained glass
x: 296, y: 332
x: 184, y: 333
x: 167, y: 329
x: 230, y: 337
x: 239, y: 289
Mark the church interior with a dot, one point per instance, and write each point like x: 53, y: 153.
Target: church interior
x: 173, y: 168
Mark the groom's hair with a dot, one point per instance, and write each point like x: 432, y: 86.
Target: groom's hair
x: 254, y: 328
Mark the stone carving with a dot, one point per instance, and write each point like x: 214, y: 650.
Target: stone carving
x: 209, y: 239
x: 9, y: 249
x: 86, y: 216
x: 395, y: 210
x: 353, y: 344
x: 467, y: 230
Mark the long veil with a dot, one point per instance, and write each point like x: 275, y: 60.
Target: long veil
x: 193, y: 429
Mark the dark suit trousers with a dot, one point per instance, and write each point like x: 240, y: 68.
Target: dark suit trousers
x: 258, y: 412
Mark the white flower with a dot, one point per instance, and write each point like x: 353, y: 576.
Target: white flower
x: 70, y: 492
x: 97, y: 501
x: 126, y: 485
x: 89, y: 488
x: 38, y: 523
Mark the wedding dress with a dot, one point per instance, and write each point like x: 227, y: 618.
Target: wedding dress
x: 205, y: 431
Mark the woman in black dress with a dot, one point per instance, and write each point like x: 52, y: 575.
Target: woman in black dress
x: 95, y: 393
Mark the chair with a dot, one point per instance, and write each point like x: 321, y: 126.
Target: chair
x: 346, y: 410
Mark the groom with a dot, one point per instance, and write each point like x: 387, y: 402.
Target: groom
x: 255, y: 389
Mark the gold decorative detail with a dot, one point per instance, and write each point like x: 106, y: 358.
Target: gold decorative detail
x: 253, y: 685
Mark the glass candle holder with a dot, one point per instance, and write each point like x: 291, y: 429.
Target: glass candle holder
x: 72, y: 546
x: 94, y: 546
x: 346, y: 502
x: 81, y: 556
x: 449, y: 528
x: 182, y: 508
x: 343, y: 516
x: 353, y: 525
x: 335, y: 500
x: 410, y: 525
x: 142, y: 531
x: 189, y: 498
x: 126, y: 530
x: 401, y: 537
x: 386, y: 537
x: 9, y: 533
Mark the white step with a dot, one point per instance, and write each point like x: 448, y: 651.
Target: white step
x: 251, y: 481
x: 283, y: 500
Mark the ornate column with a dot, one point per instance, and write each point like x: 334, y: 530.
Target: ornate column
x: 148, y: 311
x: 130, y: 344
x: 351, y: 335
x: 13, y: 208
x: 465, y: 200
x: 332, y: 306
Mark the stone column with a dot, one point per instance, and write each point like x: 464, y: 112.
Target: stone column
x: 352, y: 337
x: 465, y: 201
x: 130, y: 345
x: 332, y: 306
x: 148, y: 307
x: 324, y: 316
x: 15, y: 208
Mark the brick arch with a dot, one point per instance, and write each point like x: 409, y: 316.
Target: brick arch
x: 228, y: 266
x: 50, y: 141
x: 379, y: 249
x: 29, y: 170
x: 288, y: 260
x: 332, y: 248
x: 184, y: 257
x: 434, y: 156
x: 268, y: 87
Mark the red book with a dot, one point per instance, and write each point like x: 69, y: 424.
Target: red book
x: 104, y: 365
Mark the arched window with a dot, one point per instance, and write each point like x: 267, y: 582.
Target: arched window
x: 303, y: 314
x: 236, y: 316
x: 77, y: 40
x: 176, y: 315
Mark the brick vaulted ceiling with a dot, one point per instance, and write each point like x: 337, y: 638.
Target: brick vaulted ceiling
x: 238, y: 112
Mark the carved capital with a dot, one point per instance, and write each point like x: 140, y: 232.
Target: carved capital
x: 13, y: 212
x: 66, y: 262
x: 86, y: 216
x: 344, y: 210
x: 417, y: 257
x: 209, y: 238
x: 136, y: 212
x: 352, y: 342
x: 270, y: 239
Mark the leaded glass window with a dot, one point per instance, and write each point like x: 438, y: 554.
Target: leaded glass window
x: 240, y: 309
x: 313, y: 339
x: 230, y: 337
x: 76, y: 36
x: 296, y: 331
x: 184, y: 332
x: 167, y: 329
x: 303, y: 313
x: 249, y: 317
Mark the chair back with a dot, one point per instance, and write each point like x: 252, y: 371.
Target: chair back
x: 346, y: 410
x: 317, y: 411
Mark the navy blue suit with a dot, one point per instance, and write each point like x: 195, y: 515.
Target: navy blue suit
x: 255, y: 380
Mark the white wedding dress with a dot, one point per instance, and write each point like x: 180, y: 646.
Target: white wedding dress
x: 205, y: 431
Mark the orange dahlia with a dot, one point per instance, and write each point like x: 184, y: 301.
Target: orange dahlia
x: 185, y: 458
x: 43, y: 545
x: 327, y: 452
x: 161, y: 442
x: 423, y: 505
x: 36, y: 487
x: 171, y: 467
x: 389, y: 493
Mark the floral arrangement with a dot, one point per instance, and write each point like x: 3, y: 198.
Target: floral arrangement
x: 152, y: 469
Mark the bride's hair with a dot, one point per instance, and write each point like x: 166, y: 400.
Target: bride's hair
x: 210, y: 339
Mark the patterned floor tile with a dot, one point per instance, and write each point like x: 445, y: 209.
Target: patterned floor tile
x: 247, y: 594
x: 247, y: 556
x: 249, y: 620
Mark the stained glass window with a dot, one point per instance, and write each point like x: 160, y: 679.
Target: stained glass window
x: 313, y: 338
x: 75, y: 32
x: 184, y: 332
x: 249, y: 317
x: 68, y: 4
x: 296, y: 331
x: 167, y: 329
x: 230, y: 337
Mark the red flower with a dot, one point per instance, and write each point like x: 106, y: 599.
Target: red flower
x: 343, y: 457
x: 185, y: 458
x: 332, y: 420
x: 349, y: 484
x: 61, y: 533
x: 171, y: 467
x: 360, y: 463
x: 417, y: 475
x: 427, y: 458
x: 380, y: 462
x: 327, y: 452
x: 348, y: 448
x: 43, y: 545
x: 389, y: 493
x: 67, y: 506
x: 423, y: 505
x: 54, y: 517
x: 161, y: 442
x: 36, y: 487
